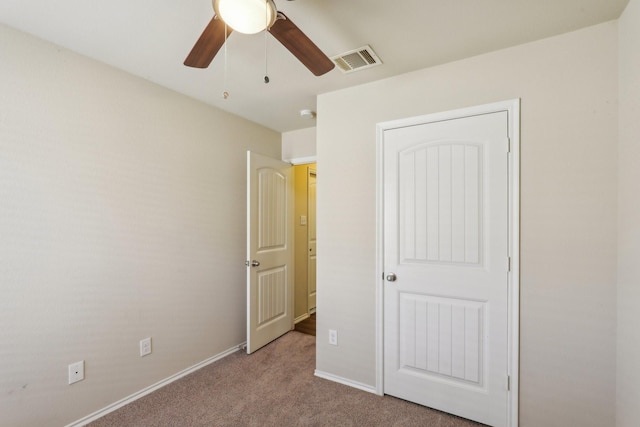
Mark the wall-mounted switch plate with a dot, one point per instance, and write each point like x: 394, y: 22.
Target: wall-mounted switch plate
x: 145, y: 346
x: 76, y: 372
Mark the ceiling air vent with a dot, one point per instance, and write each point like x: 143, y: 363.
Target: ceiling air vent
x: 357, y: 59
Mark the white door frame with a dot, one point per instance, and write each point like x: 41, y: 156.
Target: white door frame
x: 512, y: 107
x: 311, y: 171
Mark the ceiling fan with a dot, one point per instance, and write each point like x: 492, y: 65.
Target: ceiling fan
x: 251, y: 17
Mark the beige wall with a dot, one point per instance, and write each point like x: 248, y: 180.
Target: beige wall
x: 568, y: 87
x: 299, y: 144
x: 122, y: 210
x: 628, y: 378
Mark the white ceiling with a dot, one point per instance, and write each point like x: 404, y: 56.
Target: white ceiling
x: 151, y: 38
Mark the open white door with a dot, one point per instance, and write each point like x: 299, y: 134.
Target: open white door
x: 446, y: 265
x: 269, y: 250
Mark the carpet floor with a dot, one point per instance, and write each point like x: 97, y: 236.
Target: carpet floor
x: 274, y: 386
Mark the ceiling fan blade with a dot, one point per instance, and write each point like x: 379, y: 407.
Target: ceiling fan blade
x: 208, y: 44
x: 301, y: 46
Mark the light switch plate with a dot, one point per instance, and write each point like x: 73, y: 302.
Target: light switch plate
x: 145, y: 346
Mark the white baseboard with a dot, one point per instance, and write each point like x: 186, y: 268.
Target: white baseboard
x: 301, y: 318
x: 350, y: 383
x: 135, y: 396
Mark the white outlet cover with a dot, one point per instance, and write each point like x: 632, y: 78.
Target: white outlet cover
x: 333, y: 337
x: 76, y: 372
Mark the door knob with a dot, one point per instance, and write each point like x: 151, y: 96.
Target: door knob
x: 253, y: 263
x: 391, y: 277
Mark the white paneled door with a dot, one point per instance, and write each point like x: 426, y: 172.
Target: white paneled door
x: 445, y: 192
x: 269, y: 250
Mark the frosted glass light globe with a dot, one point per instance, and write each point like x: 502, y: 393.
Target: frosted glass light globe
x: 246, y: 16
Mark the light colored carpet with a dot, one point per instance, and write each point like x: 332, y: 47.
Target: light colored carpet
x: 275, y: 386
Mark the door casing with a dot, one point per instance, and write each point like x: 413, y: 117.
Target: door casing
x: 512, y: 107
x: 311, y: 240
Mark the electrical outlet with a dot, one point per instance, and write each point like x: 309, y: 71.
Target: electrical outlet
x: 333, y: 337
x: 76, y: 372
x: 145, y: 346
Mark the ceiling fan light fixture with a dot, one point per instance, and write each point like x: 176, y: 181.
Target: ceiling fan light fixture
x: 246, y: 16
x: 250, y: 17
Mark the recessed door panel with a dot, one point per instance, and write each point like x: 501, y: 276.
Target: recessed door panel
x: 441, y: 338
x: 440, y: 203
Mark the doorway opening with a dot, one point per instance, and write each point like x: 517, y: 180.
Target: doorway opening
x: 305, y: 177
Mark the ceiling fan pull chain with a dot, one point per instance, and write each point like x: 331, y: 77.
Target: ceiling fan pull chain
x: 225, y: 94
x: 266, y: 30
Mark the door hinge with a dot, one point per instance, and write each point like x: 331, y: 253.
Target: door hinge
x: 507, y: 383
x: 508, y: 145
x: 508, y: 263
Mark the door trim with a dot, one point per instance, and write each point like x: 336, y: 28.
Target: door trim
x: 311, y: 171
x: 512, y: 107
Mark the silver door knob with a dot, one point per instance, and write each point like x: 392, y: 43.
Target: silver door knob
x: 253, y: 263
x: 391, y: 277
